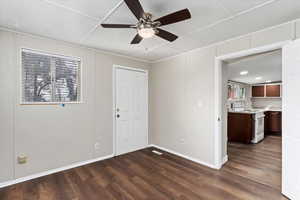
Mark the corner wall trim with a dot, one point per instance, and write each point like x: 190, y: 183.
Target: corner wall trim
x: 52, y: 171
x: 186, y: 157
x: 225, y: 159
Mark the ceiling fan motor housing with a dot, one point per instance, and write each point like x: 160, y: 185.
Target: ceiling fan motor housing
x: 146, y: 22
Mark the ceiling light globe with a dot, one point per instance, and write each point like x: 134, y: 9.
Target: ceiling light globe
x: 244, y: 73
x: 146, y: 32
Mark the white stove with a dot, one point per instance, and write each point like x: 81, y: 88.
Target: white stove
x: 258, y: 124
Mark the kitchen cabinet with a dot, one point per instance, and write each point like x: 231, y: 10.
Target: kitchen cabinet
x: 240, y: 127
x: 266, y: 90
x: 273, y: 90
x: 258, y: 91
x: 273, y: 123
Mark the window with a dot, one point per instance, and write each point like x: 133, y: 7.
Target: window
x: 50, y: 78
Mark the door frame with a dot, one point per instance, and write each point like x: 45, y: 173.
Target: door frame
x: 219, y: 160
x: 114, y: 96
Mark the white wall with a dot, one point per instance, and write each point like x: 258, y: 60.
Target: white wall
x: 182, y: 104
x: 50, y: 135
x: 6, y: 106
x: 180, y: 84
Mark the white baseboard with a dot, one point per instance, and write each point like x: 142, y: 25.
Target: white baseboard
x: 78, y: 164
x: 52, y: 171
x: 184, y: 156
x: 225, y: 159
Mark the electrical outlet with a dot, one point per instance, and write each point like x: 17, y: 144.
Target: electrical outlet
x: 97, y: 146
x: 22, y: 160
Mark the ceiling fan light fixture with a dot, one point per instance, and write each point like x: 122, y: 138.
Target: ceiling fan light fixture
x: 146, y: 32
x: 146, y: 27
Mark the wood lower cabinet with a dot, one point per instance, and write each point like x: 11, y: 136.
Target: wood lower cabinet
x: 273, y: 123
x: 239, y: 128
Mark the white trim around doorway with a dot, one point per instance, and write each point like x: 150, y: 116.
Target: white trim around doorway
x: 115, y: 67
x: 219, y: 159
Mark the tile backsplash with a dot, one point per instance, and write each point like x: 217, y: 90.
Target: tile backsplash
x: 246, y: 102
x: 267, y: 102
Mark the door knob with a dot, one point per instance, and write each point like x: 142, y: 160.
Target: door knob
x: 118, y: 116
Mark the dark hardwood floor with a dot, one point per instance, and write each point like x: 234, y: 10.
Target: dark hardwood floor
x: 258, y: 162
x: 253, y: 172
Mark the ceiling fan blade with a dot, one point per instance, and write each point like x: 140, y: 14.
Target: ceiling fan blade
x: 166, y: 35
x: 135, y: 7
x: 174, y: 17
x: 137, y: 39
x: 117, y: 25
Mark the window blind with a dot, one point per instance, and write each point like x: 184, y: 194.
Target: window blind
x: 50, y: 78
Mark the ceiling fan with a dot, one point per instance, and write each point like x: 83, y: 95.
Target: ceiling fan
x: 146, y: 27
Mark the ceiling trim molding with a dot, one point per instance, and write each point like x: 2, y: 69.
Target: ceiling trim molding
x: 186, y: 52
x: 71, y: 9
x: 112, y: 11
x: 221, y: 21
x: 99, y: 20
x: 219, y: 2
x: 224, y: 41
x: 139, y: 59
x: 75, y: 45
x: 119, y: 55
x: 235, y: 15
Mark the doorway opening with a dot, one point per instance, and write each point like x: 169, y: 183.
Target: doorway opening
x: 249, y: 107
x: 252, y: 110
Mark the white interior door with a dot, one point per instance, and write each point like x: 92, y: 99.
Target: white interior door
x: 131, y: 110
x: 291, y: 121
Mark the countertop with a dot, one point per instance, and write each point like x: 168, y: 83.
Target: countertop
x: 257, y: 110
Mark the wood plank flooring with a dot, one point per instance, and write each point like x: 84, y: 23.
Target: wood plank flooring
x: 258, y: 162
x: 252, y: 173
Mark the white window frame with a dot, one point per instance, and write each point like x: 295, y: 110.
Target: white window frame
x: 80, y: 100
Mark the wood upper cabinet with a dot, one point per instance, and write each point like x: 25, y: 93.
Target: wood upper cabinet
x: 266, y: 90
x: 258, y: 91
x: 273, y: 90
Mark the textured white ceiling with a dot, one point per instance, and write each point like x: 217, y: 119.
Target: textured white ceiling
x: 78, y: 21
x: 268, y: 66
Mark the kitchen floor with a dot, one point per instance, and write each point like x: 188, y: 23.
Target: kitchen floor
x: 258, y: 162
